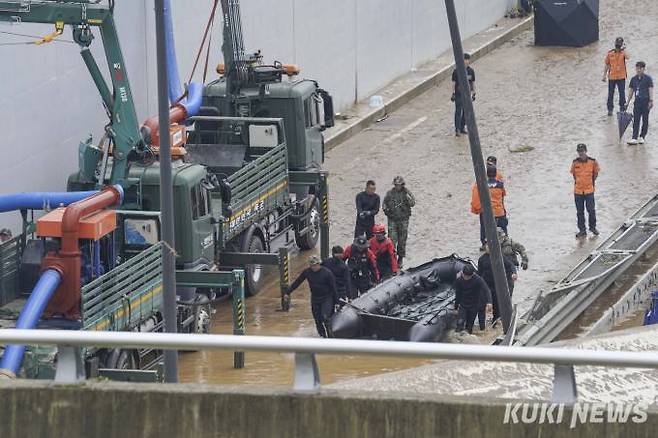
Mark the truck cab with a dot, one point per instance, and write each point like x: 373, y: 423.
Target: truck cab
x: 305, y: 108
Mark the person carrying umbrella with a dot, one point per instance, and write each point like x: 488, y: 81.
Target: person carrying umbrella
x: 640, y: 88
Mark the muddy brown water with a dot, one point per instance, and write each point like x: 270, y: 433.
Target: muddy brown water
x: 539, y: 98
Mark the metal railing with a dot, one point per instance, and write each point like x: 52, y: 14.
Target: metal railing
x: 70, y: 368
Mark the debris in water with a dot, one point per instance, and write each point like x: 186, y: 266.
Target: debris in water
x: 521, y: 149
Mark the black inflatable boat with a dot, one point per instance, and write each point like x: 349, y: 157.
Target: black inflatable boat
x: 416, y: 305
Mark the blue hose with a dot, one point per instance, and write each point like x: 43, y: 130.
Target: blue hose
x: 29, y: 317
x: 194, y: 97
x: 195, y: 90
x: 40, y: 200
x: 43, y: 200
x: 172, y: 65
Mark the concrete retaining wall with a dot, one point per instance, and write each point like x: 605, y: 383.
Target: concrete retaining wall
x: 33, y: 409
x: 48, y: 103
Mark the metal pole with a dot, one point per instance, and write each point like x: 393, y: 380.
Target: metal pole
x: 166, y: 198
x: 500, y: 279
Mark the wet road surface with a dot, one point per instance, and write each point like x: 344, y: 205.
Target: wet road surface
x: 544, y: 100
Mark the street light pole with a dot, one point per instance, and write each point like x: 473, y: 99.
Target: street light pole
x: 166, y: 197
x: 500, y: 279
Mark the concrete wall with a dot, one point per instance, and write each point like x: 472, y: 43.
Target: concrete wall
x: 38, y: 409
x: 48, y: 103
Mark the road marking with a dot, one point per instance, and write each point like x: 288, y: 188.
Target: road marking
x: 406, y: 129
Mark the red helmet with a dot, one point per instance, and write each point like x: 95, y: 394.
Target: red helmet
x: 378, y: 229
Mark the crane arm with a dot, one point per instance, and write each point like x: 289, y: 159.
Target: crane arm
x: 83, y: 16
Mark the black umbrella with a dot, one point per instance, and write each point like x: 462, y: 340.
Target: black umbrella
x: 624, y: 119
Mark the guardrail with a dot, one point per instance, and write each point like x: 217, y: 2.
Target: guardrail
x: 307, y: 378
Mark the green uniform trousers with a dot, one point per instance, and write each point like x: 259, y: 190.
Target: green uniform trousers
x: 397, y: 231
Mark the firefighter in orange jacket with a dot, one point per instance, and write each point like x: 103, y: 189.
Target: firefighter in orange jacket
x: 384, y: 251
x: 497, y: 193
x: 585, y: 170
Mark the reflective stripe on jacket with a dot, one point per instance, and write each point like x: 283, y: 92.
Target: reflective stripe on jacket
x: 497, y: 193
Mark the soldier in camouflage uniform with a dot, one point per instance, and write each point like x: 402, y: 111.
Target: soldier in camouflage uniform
x: 397, y: 207
x: 512, y: 250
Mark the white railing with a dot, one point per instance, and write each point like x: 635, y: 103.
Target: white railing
x: 69, y: 363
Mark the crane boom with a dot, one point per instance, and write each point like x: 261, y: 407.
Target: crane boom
x: 123, y: 128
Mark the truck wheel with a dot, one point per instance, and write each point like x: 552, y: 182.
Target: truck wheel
x: 310, y: 239
x: 122, y: 360
x: 254, y: 273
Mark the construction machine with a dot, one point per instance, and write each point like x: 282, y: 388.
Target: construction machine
x: 247, y: 153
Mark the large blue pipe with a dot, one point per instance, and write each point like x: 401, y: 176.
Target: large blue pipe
x: 36, y: 304
x: 43, y: 200
x: 194, y: 97
x: 172, y: 65
x: 195, y: 90
x: 40, y: 200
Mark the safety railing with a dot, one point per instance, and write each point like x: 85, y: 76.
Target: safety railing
x: 307, y: 378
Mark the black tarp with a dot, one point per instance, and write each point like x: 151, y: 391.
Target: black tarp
x: 573, y: 23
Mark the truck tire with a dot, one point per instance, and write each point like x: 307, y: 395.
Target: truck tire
x: 310, y: 239
x: 254, y: 274
x: 122, y: 360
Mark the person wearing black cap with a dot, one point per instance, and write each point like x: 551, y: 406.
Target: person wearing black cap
x: 640, y: 88
x: 460, y: 115
x: 471, y: 294
x: 323, y: 293
x: 493, y: 161
x: 497, y: 193
x: 585, y: 170
x: 614, y: 71
x: 336, y: 264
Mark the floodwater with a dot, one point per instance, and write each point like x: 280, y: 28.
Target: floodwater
x: 535, y: 99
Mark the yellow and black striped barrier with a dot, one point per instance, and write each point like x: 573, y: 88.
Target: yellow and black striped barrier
x: 324, y: 224
x: 284, y: 273
x: 239, y: 314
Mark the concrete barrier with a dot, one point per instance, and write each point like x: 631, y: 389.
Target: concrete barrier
x: 115, y: 410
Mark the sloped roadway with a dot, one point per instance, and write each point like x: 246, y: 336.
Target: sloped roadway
x: 534, y: 104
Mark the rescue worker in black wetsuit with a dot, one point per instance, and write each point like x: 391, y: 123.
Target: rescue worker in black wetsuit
x: 336, y: 264
x: 323, y: 293
x: 384, y: 250
x: 362, y: 265
x: 367, y: 207
x: 485, y: 269
x: 471, y: 294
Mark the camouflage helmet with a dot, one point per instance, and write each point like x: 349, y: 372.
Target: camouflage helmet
x: 398, y: 180
x: 314, y: 260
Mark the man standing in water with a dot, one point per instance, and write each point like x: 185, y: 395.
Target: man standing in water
x: 398, y: 203
x: 471, y: 295
x: 641, y: 87
x: 324, y: 295
x: 615, y: 73
x: 367, y: 207
x: 460, y: 115
x: 585, y: 170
